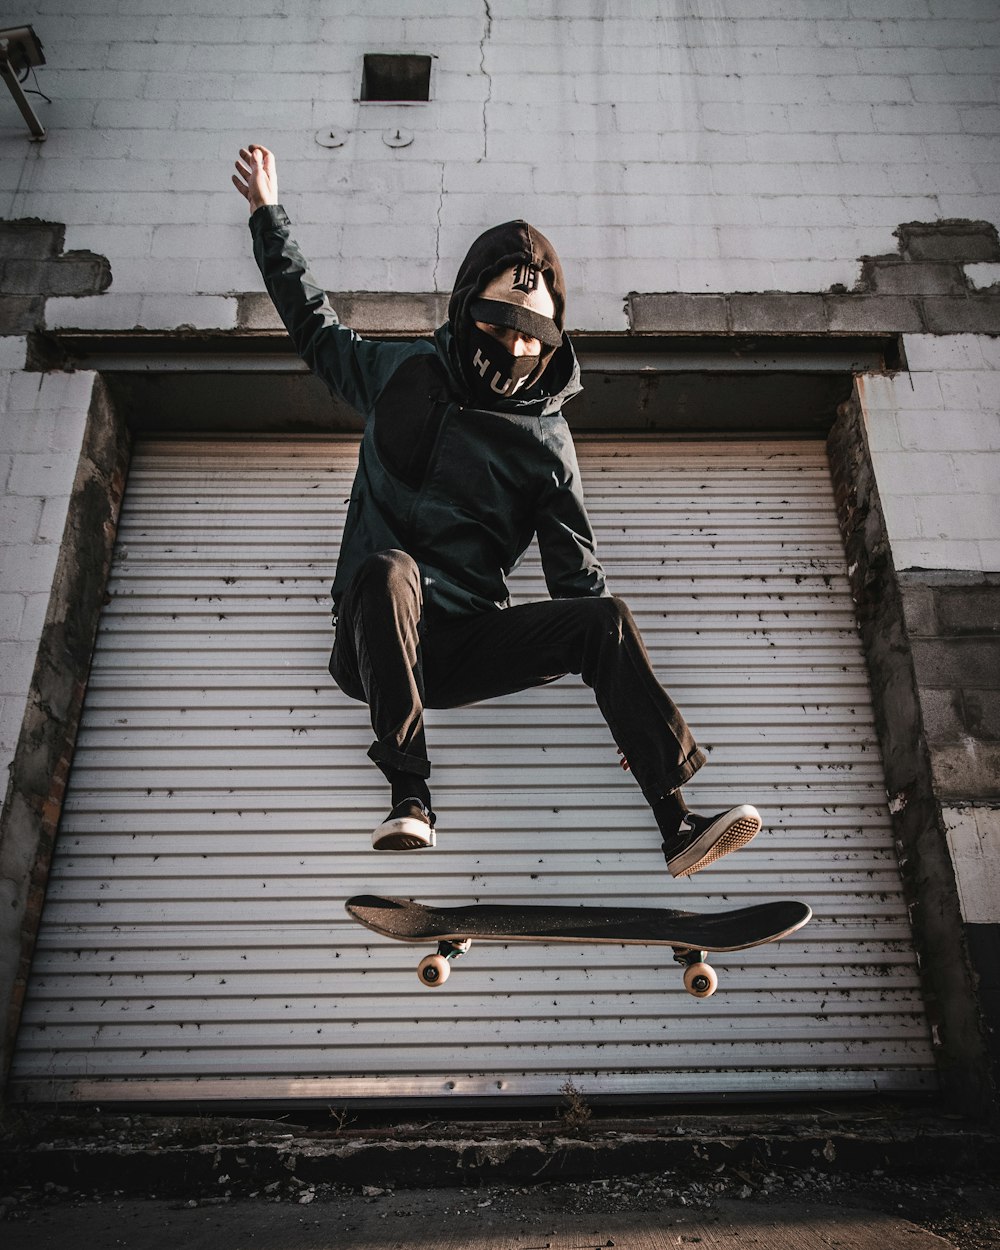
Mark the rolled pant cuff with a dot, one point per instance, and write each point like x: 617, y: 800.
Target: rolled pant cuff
x: 682, y: 774
x: 391, y: 760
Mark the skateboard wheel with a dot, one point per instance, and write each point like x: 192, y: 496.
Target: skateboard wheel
x: 433, y: 971
x: 700, y: 980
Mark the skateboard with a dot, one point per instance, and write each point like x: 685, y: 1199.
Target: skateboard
x: 692, y: 935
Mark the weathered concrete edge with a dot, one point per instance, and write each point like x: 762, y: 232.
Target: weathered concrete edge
x: 490, y: 1158
x: 955, y: 1011
x: 40, y: 768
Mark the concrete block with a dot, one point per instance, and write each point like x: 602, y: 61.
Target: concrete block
x: 900, y: 59
x: 892, y: 149
x: 986, y: 177
x: 978, y: 472
x: 973, y: 835
x: 912, y: 473
x: 949, y: 240
x: 17, y: 662
x: 758, y: 179
x: 778, y: 149
x: 974, y: 314
x: 648, y: 313
x: 95, y: 312
x: 883, y: 432
x: 900, y: 517
x: 989, y: 554
x: 971, y: 389
x: 919, y: 552
x: 30, y: 240
x: 27, y: 569
x: 20, y: 314
x: 941, y: 711
x: 970, y: 770
x: 142, y: 114
x: 929, y: 352
x: 955, y: 88
x: 970, y: 610
x: 963, y: 431
x: 200, y: 312
x: 706, y: 274
x: 958, y: 517
x: 872, y: 313
x: 955, y: 663
x: 19, y: 519
x: 771, y: 312
x: 735, y: 119
x: 42, y: 474
x: 11, y: 615
x: 102, y: 84
x: 918, y: 390
x: 981, y: 119
x: 23, y: 397
x: 13, y: 350
x: 656, y: 178
x: 916, y: 119
x: 895, y: 276
x: 808, y: 275
x: 180, y: 276
x: 920, y: 610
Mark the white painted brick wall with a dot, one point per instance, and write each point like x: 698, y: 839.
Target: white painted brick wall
x: 41, y: 427
x: 665, y: 134
x: 935, y: 439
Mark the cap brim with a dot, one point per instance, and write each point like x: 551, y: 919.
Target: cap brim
x: 525, y: 320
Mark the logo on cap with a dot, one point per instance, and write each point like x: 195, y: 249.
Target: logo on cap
x: 526, y: 278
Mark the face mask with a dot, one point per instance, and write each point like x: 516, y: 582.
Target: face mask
x: 493, y: 372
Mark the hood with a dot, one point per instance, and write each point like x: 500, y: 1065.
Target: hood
x: 496, y: 250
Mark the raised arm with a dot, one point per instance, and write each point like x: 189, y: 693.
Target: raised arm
x: 353, y: 367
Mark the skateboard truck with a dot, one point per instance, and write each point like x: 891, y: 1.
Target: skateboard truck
x: 434, y: 970
x: 700, y: 978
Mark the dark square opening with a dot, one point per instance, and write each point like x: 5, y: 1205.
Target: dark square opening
x: 396, y: 77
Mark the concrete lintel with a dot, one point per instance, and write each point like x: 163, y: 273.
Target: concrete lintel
x: 368, y: 312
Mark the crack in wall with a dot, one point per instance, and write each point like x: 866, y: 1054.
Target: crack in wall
x: 487, y: 31
x: 437, y: 233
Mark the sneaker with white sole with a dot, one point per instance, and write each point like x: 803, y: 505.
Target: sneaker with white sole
x: 708, y: 838
x: 408, y: 827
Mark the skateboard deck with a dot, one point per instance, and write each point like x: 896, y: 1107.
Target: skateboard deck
x: 692, y: 935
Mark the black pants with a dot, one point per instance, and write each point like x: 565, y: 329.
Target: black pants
x: 388, y: 656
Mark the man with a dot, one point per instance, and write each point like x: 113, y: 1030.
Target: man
x: 465, y: 457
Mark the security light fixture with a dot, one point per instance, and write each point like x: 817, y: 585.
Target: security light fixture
x: 21, y: 50
x: 396, y: 78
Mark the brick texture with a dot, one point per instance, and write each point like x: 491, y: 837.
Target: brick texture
x: 33, y: 266
x: 829, y: 126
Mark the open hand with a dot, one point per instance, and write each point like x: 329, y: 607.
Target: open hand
x: 256, y: 176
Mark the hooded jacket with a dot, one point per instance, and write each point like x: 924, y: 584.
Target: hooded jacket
x: 461, y: 489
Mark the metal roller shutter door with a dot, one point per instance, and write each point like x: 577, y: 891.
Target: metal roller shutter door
x: 194, y: 942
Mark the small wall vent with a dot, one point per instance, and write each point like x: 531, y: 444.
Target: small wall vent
x: 396, y: 78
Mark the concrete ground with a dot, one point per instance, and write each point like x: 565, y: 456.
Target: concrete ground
x: 545, y: 1218
x: 811, y: 1211
x: 876, y: 1179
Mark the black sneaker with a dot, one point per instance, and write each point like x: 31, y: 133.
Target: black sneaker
x: 708, y: 838
x: 408, y: 827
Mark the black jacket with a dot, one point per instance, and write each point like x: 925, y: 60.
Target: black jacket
x: 460, y: 489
